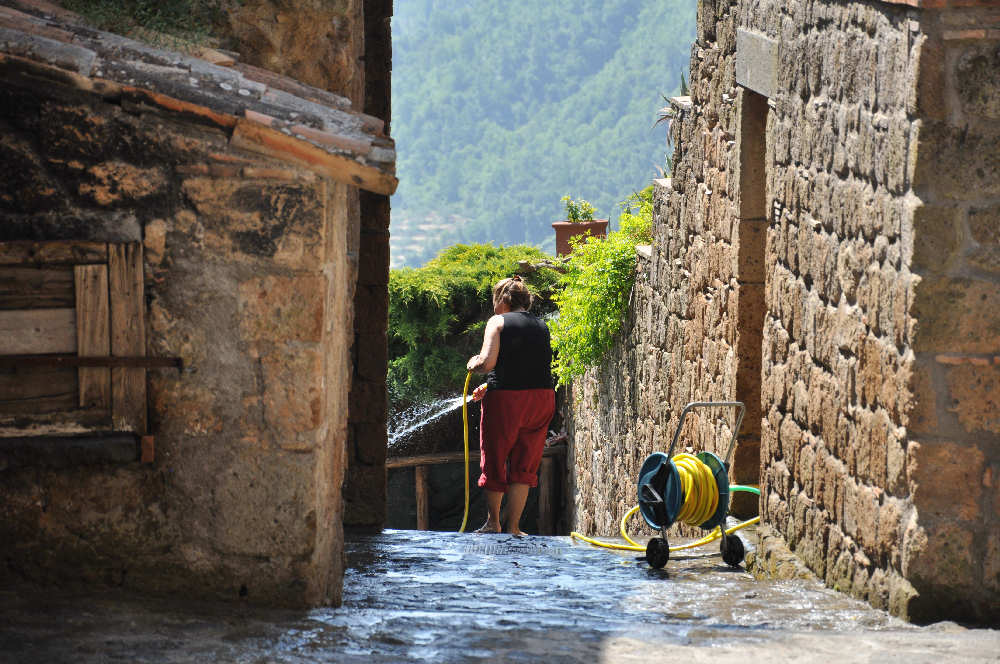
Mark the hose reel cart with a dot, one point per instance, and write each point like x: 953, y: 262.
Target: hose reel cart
x: 692, y: 489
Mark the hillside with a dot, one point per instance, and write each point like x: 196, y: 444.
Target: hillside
x: 499, y: 109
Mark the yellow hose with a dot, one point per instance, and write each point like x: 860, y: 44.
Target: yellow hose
x: 465, y: 421
x: 701, y: 499
x: 632, y: 546
x: 701, y: 496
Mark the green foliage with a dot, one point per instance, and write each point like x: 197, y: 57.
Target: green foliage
x: 595, y: 290
x: 579, y: 210
x: 496, y: 105
x: 437, y: 314
x: 170, y: 21
x: 636, y: 218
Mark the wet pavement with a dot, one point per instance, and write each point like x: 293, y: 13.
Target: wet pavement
x: 414, y: 596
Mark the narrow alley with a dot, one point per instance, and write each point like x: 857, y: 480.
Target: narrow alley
x: 446, y: 597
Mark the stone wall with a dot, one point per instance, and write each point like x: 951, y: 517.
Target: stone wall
x: 248, y: 281
x: 951, y: 531
x: 317, y: 42
x: 877, y: 409
x: 683, y: 341
x: 365, y: 492
x: 344, y: 47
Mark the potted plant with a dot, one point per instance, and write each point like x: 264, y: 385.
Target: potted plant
x: 580, y: 221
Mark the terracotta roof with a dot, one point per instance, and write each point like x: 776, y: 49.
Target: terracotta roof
x: 262, y: 111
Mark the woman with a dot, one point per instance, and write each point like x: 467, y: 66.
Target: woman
x: 518, y: 402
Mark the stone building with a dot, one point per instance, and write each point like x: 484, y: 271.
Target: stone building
x: 193, y: 259
x: 827, y: 250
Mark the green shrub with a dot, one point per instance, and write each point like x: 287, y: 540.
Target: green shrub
x: 437, y: 314
x: 595, y: 290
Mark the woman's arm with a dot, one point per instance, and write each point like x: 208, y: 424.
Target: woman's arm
x: 487, y: 358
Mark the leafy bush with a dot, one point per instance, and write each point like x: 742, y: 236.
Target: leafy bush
x: 595, y: 289
x: 437, y: 314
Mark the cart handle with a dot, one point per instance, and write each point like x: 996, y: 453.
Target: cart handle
x: 708, y: 404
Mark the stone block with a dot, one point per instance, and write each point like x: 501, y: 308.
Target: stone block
x: 879, y: 437
x: 948, y: 567
x: 371, y: 308
x: 951, y: 161
x: 805, y: 468
x: 976, y: 80
x: 262, y: 504
x: 867, y: 504
x: 946, y: 481
x: 274, y: 309
x: 937, y: 236
x: 292, y: 394
x: 195, y: 410
x: 974, y: 396
x: 895, y: 158
x: 896, y: 466
x: 790, y: 440
x: 154, y: 240
x: 984, y: 226
x: 958, y: 315
x: 889, y: 528
x: 260, y: 221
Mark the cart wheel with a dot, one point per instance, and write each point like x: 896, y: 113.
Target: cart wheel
x: 657, y: 553
x: 732, y: 551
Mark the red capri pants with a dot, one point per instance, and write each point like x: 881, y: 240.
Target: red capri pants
x: 512, y: 436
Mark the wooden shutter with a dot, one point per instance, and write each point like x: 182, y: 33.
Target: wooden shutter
x: 81, y: 299
x: 93, y: 335
x: 128, y: 336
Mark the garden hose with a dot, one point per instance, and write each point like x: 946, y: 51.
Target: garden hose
x: 465, y: 421
x: 701, y: 495
x: 701, y: 498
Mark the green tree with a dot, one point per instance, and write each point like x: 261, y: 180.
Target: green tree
x: 500, y: 108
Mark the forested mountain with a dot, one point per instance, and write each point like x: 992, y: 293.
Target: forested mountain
x: 501, y: 108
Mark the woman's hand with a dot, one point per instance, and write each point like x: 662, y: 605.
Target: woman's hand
x: 479, y: 393
x: 474, y: 364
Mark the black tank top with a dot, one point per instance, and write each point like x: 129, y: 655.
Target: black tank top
x: 525, y: 358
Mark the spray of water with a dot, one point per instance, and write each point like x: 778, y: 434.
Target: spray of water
x: 414, y: 418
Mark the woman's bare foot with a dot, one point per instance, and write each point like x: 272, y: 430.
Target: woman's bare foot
x: 517, y: 532
x: 488, y: 528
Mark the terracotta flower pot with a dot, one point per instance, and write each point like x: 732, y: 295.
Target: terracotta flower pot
x: 568, y: 229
